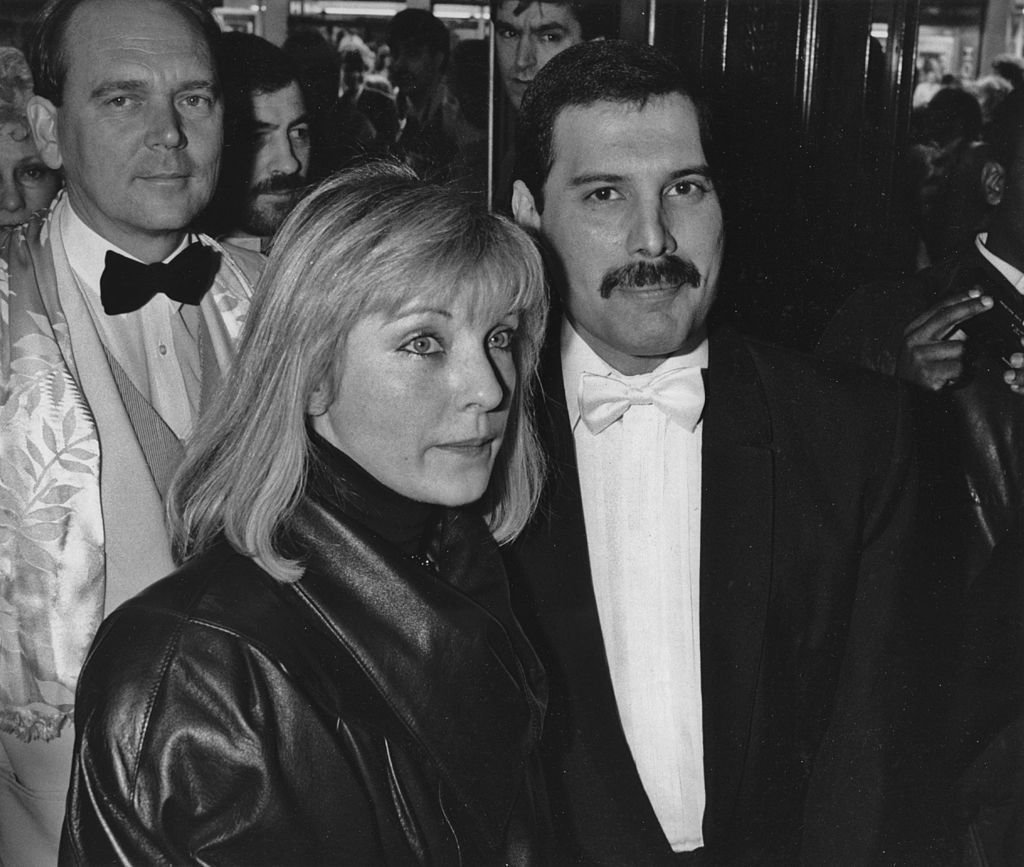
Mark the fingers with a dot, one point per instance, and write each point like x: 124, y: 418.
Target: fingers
x: 935, y: 365
x: 942, y: 319
x: 1014, y: 377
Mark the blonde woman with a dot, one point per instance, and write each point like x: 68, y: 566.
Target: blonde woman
x: 335, y: 675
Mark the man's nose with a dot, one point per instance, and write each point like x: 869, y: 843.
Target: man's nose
x: 164, y: 125
x: 651, y: 234
x: 526, y: 54
x: 283, y: 160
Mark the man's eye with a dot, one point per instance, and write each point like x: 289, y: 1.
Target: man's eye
x: 689, y: 188
x: 604, y: 194
x: 198, y: 101
x: 120, y: 101
x: 423, y: 345
x: 300, y: 134
x: 507, y: 32
x: 552, y: 38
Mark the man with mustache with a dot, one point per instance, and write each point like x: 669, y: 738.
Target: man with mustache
x: 267, y: 143
x: 116, y: 322
x: 714, y: 573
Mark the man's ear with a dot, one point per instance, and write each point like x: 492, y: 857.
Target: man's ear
x: 524, y: 208
x: 993, y: 182
x: 42, y: 119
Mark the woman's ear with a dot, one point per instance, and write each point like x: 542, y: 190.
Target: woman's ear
x: 321, y: 399
x: 993, y: 182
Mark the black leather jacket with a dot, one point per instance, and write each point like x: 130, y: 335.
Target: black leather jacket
x: 972, y: 435
x: 370, y: 713
x: 971, y: 535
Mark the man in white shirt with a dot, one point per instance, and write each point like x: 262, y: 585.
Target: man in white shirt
x: 115, y: 325
x: 954, y: 331
x: 712, y: 573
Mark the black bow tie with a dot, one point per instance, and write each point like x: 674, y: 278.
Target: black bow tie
x: 127, y: 285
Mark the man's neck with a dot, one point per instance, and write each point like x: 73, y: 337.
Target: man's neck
x: 147, y: 247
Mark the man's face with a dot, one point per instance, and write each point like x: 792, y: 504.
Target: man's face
x: 416, y: 70
x: 139, y: 130
x: 631, y: 212
x: 280, y: 158
x: 529, y: 40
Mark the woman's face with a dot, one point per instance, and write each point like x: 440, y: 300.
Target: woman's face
x: 423, y: 398
x: 27, y: 184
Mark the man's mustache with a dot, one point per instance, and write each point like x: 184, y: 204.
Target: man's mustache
x: 279, y: 184
x: 669, y: 271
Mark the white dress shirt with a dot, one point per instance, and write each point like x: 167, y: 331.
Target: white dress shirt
x: 1015, y: 276
x: 640, y: 481
x: 157, y: 345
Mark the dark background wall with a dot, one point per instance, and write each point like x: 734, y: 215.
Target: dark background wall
x: 813, y: 115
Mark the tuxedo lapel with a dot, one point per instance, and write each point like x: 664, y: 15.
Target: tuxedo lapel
x: 552, y: 561
x: 561, y: 615
x: 736, y: 568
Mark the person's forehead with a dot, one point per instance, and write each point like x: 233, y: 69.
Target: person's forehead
x: 411, y: 46
x: 606, y: 132
x: 16, y: 149
x: 103, y: 34
x: 538, y: 14
x: 279, y: 106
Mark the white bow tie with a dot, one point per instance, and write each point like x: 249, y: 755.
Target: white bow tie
x: 678, y: 393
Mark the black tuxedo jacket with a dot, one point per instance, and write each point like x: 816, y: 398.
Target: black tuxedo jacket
x: 808, y: 485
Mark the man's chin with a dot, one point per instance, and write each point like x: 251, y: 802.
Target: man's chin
x: 264, y: 218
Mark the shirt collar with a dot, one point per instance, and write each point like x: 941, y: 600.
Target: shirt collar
x: 87, y: 249
x: 1014, y: 275
x: 578, y: 358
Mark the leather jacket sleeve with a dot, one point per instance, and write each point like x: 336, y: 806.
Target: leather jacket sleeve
x: 216, y: 761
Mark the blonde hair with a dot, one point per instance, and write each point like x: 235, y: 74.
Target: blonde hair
x: 365, y: 241
x: 15, y: 91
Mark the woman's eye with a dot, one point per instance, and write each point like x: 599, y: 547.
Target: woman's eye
x: 502, y: 339
x: 423, y: 345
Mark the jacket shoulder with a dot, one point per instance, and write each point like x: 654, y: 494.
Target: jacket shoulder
x: 249, y: 263
x: 867, y: 330
x: 829, y: 399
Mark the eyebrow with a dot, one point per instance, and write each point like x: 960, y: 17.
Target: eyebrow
x: 109, y: 87
x: 549, y: 27
x: 546, y: 27
x: 134, y: 85
x: 610, y: 178
x: 402, y: 312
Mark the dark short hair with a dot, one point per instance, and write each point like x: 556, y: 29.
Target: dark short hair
x: 419, y: 27
x: 597, y: 18
x: 1005, y: 134
x: 1010, y: 67
x: 47, y: 48
x: 610, y: 70
x: 468, y: 80
x: 250, y: 65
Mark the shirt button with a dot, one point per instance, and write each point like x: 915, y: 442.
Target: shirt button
x: 163, y: 349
